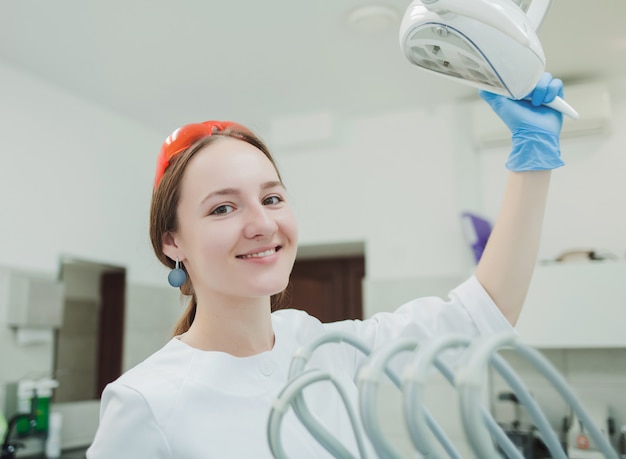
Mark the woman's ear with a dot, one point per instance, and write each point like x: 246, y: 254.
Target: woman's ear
x: 170, y: 247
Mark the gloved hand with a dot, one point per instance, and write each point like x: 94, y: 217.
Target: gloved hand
x: 535, y: 127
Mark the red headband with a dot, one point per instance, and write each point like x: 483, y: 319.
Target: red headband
x: 182, y: 138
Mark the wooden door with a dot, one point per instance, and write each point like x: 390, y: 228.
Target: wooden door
x: 328, y: 288
x: 111, y: 335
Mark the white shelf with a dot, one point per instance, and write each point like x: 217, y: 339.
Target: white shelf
x: 576, y: 305
x: 30, y: 302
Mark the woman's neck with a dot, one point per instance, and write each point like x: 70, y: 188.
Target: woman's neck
x: 241, y: 327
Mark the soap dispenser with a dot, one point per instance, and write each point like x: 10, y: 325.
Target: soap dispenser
x: 26, y: 403
x: 44, y: 388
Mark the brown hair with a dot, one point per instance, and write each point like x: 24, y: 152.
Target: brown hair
x: 163, y: 215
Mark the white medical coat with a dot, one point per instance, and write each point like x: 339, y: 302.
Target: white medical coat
x: 185, y: 403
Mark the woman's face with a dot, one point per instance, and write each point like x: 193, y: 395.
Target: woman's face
x: 237, y: 234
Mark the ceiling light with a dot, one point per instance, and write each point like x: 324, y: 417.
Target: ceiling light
x: 372, y: 18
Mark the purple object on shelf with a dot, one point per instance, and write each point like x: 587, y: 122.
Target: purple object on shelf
x: 477, y: 230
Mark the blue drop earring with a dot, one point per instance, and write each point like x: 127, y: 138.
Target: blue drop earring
x: 177, y: 276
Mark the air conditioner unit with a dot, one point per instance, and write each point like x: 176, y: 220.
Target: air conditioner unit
x: 590, y: 100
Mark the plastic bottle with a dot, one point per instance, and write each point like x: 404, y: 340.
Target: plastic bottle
x: 53, y: 441
x: 44, y: 388
x: 25, y: 393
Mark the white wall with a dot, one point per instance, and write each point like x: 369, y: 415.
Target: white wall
x: 391, y: 181
x: 75, y: 179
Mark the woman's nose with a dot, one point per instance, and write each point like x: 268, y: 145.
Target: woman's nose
x: 259, y: 222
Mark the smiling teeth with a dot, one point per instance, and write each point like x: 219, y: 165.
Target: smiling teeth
x: 260, y: 254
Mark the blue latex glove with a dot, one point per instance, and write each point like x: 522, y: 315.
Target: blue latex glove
x: 535, y: 127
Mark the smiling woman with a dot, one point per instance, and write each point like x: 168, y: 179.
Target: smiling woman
x: 221, y: 214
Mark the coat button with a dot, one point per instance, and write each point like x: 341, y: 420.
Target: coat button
x: 266, y: 367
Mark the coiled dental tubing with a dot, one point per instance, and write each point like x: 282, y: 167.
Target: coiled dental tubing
x: 481, y: 429
x: 291, y: 392
x: 292, y: 395
x: 368, y: 381
x: 469, y: 383
x: 414, y: 380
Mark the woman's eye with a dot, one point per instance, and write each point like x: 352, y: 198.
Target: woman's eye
x: 222, y: 210
x: 272, y: 200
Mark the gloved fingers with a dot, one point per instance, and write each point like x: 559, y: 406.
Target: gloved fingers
x: 537, y: 97
x: 487, y: 96
x: 555, y: 88
x: 546, y: 90
x: 524, y: 114
x: 494, y: 100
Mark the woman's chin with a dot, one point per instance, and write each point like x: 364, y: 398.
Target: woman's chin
x: 277, y: 289
x: 271, y: 288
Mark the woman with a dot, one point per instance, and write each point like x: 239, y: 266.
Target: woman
x: 220, y: 218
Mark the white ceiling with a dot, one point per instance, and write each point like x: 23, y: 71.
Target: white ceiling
x: 166, y: 62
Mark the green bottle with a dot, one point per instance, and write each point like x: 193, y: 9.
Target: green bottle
x: 44, y: 390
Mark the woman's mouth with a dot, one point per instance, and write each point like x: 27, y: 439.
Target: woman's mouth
x: 263, y: 254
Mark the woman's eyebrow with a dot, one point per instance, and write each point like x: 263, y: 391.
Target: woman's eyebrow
x: 236, y: 191
x: 272, y: 184
x: 222, y: 192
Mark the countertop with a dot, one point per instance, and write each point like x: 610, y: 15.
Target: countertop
x: 79, y: 453
x: 75, y: 453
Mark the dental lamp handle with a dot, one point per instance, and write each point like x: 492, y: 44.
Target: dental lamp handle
x: 560, y: 105
x: 537, y: 11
